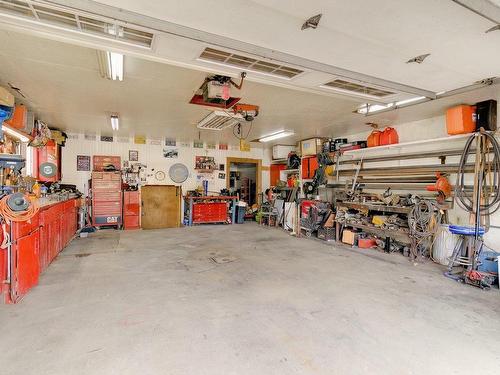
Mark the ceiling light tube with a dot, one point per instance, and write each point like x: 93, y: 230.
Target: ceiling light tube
x: 115, y: 65
x: 115, y: 122
x: 15, y: 134
x: 277, y: 135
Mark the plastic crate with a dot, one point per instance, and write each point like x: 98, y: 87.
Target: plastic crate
x: 326, y: 234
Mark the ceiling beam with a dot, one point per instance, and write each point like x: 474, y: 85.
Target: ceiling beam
x: 171, y: 28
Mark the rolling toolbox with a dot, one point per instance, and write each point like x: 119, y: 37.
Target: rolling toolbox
x: 106, y: 199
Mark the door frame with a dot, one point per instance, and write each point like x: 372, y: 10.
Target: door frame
x: 258, y: 172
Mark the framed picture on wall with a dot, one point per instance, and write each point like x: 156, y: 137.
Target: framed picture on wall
x: 133, y: 155
x: 83, y: 163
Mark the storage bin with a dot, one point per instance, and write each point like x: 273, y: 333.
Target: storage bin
x: 282, y: 151
x: 461, y: 119
x: 19, y: 118
x: 312, y: 146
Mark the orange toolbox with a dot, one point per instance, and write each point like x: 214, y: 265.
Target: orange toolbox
x: 461, y: 119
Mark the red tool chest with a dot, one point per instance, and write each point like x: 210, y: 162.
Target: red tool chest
x: 106, y: 198
x: 131, y: 210
x: 209, y: 212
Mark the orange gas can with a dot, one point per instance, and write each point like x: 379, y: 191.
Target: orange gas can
x: 461, y: 119
x: 389, y: 136
x: 374, y: 139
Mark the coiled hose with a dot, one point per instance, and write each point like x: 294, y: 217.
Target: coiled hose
x: 16, y: 216
x: 423, y: 221
x: 489, y: 175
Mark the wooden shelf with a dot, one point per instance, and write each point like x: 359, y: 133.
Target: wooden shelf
x: 394, y: 234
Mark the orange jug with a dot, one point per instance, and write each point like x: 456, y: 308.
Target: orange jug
x: 389, y: 136
x: 374, y: 139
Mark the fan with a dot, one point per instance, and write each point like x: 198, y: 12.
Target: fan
x: 178, y: 173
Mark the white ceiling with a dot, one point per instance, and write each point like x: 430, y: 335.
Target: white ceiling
x: 371, y: 37
x: 63, y: 85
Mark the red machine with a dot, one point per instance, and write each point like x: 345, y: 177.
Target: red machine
x: 47, y: 162
x: 106, y: 199
x: 131, y: 210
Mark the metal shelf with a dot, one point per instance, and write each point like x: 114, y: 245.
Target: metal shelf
x: 376, y: 207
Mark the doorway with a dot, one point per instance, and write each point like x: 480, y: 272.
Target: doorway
x: 243, y: 178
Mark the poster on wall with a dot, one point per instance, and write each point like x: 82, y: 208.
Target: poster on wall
x: 106, y: 138
x: 155, y: 141
x: 210, y: 146
x: 185, y: 144
x: 90, y: 137
x: 73, y: 136
x: 221, y: 167
x: 204, y: 163
x: 122, y: 139
x: 133, y: 155
x: 222, y: 176
x: 223, y: 146
x: 197, y: 144
x: 170, y: 153
x: 244, y: 145
x: 170, y: 142
x: 83, y: 163
x: 140, y: 140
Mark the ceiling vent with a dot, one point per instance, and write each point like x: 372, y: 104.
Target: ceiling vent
x: 357, y: 89
x: 66, y: 18
x: 248, y: 63
x: 219, y: 120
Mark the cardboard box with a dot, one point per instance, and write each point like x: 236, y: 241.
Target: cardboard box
x: 312, y: 146
x: 282, y: 151
x: 348, y: 237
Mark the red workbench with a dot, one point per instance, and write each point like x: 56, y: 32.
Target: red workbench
x: 34, y: 245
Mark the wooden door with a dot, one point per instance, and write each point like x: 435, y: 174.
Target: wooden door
x: 161, y: 206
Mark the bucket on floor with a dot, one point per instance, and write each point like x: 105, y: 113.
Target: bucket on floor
x: 444, y: 243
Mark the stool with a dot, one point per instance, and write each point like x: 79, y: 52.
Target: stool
x: 465, y: 250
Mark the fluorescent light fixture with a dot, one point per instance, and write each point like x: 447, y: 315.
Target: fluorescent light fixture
x: 411, y: 100
x: 115, y: 122
x: 370, y: 108
x: 15, y: 134
x: 277, y: 135
x: 219, y: 120
x: 110, y: 65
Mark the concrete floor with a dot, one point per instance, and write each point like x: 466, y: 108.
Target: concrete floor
x: 154, y: 302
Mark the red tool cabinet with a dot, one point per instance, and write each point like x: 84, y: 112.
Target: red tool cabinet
x: 35, y: 244
x: 106, y: 198
x: 131, y: 210
x: 210, y: 212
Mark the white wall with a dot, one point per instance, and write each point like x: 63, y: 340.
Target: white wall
x: 152, y: 156
x: 429, y: 129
